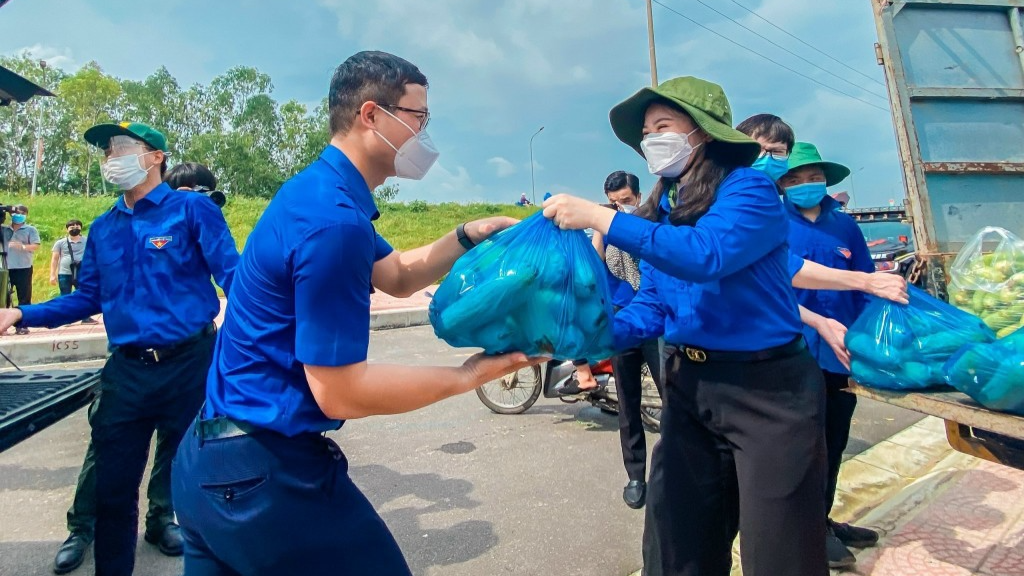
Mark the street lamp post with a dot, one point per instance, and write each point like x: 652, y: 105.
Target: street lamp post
x: 533, y: 185
x: 853, y: 192
x: 39, y: 140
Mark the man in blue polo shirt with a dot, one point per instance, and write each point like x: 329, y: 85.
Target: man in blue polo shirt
x: 147, y: 268
x: 258, y: 487
x: 819, y: 232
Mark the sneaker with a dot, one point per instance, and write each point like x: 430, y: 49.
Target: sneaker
x: 839, y: 556
x: 90, y: 321
x: 21, y: 331
x: 854, y: 536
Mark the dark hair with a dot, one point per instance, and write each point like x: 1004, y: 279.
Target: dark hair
x: 163, y: 164
x: 619, y: 180
x: 368, y: 76
x: 770, y: 127
x: 190, y: 175
x: 73, y: 222
x: 716, y: 160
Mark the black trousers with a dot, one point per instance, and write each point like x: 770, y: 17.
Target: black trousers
x: 742, y: 449
x: 839, y: 407
x: 138, y: 398
x: 21, y: 281
x: 629, y: 387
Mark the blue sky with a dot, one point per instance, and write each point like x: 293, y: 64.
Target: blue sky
x: 501, y: 70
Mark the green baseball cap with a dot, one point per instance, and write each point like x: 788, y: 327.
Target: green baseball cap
x: 704, y: 101
x: 806, y: 154
x: 100, y: 135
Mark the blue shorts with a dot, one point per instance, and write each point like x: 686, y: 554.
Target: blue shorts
x: 264, y: 503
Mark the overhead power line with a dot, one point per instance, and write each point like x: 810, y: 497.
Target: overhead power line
x: 809, y: 45
x: 779, y: 64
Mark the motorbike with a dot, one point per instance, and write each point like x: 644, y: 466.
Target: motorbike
x: 515, y: 393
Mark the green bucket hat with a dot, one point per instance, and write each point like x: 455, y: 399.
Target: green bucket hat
x: 806, y: 154
x: 100, y: 135
x: 704, y: 101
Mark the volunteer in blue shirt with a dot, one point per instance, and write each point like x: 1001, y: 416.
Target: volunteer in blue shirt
x: 147, y: 268
x: 742, y: 443
x: 821, y: 233
x: 258, y: 487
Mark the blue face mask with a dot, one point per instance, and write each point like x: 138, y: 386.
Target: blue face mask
x: 807, y: 195
x: 775, y: 169
x: 18, y: 218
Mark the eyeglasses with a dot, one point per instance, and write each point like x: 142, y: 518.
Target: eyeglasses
x: 775, y: 154
x: 422, y: 115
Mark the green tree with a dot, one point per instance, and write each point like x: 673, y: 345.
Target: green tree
x: 91, y: 97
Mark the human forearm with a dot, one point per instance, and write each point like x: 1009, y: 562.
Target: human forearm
x: 360, y: 390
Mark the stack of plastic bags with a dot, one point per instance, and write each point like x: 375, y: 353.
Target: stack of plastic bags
x: 987, y: 279
x: 904, y: 346
x: 992, y: 374
x: 532, y: 288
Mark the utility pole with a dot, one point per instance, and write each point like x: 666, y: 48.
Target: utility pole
x: 650, y: 43
x: 39, y: 139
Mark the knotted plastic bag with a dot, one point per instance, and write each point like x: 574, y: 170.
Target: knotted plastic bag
x: 904, y: 346
x: 531, y: 288
x: 991, y: 374
x: 987, y: 279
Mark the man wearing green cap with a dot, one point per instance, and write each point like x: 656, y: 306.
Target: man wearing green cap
x: 821, y: 233
x: 147, y: 269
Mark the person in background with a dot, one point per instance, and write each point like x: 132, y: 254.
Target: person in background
x: 820, y: 232
x: 67, y: 260
x: 148, y: 268
x: 22, y: 243
x: 195, y: 177
x: 523, y: 200
x: 623, y: 192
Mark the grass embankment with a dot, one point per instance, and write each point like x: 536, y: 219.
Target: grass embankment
x: 404, y: 225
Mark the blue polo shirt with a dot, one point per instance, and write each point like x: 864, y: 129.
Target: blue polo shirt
x: 148, y: 271
x: 833, y: 240
x: 722, y: 284
x: 301, y: 296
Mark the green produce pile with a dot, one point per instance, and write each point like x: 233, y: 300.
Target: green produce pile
x: 987, y: 279
x: 991, y: 374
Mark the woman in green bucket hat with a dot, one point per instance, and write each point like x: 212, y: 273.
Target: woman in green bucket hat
x: 742, y: 445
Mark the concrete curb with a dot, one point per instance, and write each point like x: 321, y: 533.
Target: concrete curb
x: 869, y: 479
x: 36, y: 350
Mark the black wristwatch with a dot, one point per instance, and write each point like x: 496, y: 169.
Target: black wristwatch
x: 460, y: 233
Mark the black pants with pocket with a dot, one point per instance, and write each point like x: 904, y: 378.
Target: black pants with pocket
x: 629, y: 387
x: 742, y: 449
x: 839, y: 408
x: 138, y: 398
x: 21, y: 281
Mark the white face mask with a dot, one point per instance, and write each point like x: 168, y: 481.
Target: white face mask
x: 667, y: 152
x: 627, y: 208
x: 125, y: 172
x: 414, y: 159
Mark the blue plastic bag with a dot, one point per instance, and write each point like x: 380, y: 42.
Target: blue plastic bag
x: 904, y: 347
x: 991, y: 374
x: 531, y: 288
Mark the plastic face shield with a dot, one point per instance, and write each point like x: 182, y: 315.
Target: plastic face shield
x: 124, y: 146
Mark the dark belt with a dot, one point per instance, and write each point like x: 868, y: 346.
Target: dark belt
x: 222, y: 427
x: 701, y: 355
x: 162, y: 354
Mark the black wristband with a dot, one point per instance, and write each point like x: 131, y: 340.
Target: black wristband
x: 460, y: 233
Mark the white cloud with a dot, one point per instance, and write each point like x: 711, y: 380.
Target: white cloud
x: 56, y: 57
x: 442, y: 185
x: 502, y: 166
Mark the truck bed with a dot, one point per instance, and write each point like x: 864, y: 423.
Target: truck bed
x: 30, y: 401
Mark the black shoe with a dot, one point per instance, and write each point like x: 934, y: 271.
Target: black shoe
x: 839, y: 556
x: 21, y: 331
x: 853, y: 535
x: 169, y: 540
x: 71, y: 553
x: 90, y: 321
x: 635, y: 494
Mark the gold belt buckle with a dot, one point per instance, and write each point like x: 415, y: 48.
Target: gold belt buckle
x: 696, y: 355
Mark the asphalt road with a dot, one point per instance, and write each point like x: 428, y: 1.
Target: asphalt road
x: 465, y: 491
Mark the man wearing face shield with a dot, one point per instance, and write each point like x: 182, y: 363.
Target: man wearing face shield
x: 147, y: 268
x: 291, y: 361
